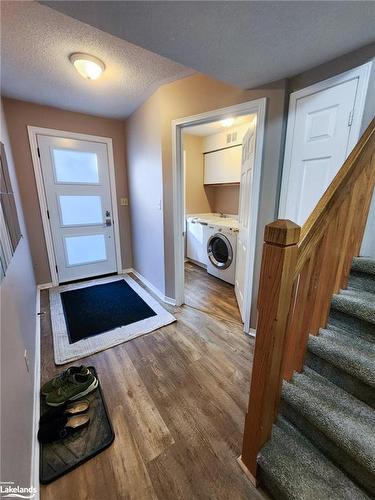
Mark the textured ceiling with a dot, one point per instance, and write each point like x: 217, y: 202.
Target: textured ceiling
x: 35, y: 44
x: 245, y: 43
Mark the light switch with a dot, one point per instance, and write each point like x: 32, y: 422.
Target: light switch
x: 124, y: 202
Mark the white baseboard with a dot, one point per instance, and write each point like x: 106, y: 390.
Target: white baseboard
x: 44, y: 286
x: 150, y: 286
x: 34, y: 479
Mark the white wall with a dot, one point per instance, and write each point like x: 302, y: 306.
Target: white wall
x: 17, y: 311
x: 143, y: 138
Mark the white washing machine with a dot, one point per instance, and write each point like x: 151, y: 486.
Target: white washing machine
x: 221, y: 252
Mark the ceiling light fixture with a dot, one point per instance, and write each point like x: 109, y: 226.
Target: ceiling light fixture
x: 89, y: 67
x: 227, y: 122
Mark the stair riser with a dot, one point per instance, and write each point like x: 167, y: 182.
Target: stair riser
x: 270, y: 485
x: 341, y: 378
x: 364, y: 265
x: 350, y: 323
x: 337, y: 455
x: 362, y: 281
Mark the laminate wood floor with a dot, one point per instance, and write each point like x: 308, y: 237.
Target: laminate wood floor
x: 177, y: 398
x: 212, y: 295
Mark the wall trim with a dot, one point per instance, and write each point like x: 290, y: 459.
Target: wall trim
x: 156, y: 291
x: 257, y: 107
x: 33, y: 132
x: 34, y: 476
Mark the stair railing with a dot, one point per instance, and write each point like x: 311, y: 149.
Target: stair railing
x: 301, y: 269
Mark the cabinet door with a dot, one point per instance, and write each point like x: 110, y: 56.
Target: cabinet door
x: 196, y: 241
x: 223, y: 167
x: 202, y: 252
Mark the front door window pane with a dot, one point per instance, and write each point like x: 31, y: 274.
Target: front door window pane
x: 85, y: 249
x: 80, y: 167
x: 80, y: 210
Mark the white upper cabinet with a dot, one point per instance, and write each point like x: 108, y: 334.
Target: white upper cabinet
x: 222, y: 156
x: 223, y: 166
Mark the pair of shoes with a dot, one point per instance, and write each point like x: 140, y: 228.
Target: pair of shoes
x: 67, y: 409
x: 71, y: 385
x: 57, y: 382
x: 63, y: 421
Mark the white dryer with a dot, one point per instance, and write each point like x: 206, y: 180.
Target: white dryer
x: 221, y: 253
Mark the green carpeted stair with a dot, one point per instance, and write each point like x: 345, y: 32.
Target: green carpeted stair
x: 323, y: 444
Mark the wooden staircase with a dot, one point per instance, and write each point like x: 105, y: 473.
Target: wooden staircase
x: 302, y: 269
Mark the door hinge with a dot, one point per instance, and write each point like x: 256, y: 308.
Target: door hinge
x: 57, y: 269
x: 48, y: 214
x: 350, y: 119
x: 38, y: 151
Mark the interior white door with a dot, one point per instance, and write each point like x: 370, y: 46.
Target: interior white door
x: 77, y: 187
x: 247, y: 170
x: 319, y: 146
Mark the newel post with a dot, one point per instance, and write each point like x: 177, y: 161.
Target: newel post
x: 274, y: 298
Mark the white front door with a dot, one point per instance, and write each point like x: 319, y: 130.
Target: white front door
x: 247, y: 170
x: 77, y: 187
x: 319, y: 138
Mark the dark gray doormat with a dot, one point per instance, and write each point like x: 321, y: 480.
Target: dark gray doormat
x: 60, y: 457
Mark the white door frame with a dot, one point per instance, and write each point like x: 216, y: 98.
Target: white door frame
x: 33, y: 132
x: 257, y: 107
x: 363, y: 75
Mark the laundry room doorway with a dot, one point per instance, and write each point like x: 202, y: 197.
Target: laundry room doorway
x: 217, y: 164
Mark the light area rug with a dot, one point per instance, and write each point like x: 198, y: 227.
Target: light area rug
x: 65, y: 352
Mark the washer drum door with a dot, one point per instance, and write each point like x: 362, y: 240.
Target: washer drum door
x: 219, y: 251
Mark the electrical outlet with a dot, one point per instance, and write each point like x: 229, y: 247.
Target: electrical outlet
x: 26, y: 357
x: 124, y: 202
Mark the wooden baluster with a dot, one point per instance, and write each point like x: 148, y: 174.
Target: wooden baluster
x: 312, y: 325
x: 305, y: 314
x: 364, y: 205
x: 327, y: 271
x: 362, y: 195
x: 296, y: 325
x: 274, y: 299
x: 350, y: 202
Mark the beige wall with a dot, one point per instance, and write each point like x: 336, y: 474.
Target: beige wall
x: 17, y: 333
x: 143, y: 139
x: 224, y: 198
x: 19, y: 115
x: 196, y: 198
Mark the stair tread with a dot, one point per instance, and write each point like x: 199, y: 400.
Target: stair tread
x: 301, y: 471
x: 353, y: 354
x: 358, y: 303
x: 342, y: 418
x: 364, y: 265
